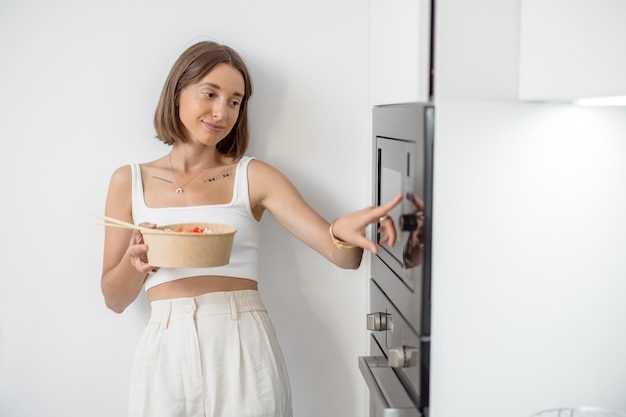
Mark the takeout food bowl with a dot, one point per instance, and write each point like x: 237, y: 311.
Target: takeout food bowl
x: 189, y: 245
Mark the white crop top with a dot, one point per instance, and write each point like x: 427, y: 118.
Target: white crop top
x: 245, y: 253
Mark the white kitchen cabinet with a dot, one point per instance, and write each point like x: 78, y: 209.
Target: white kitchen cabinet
x: 572, y: 49
x: 400, y: 45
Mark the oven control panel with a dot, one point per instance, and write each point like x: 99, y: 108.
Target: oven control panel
x: 399, y: 342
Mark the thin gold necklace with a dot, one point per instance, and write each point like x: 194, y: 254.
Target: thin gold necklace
x: 180, y: 186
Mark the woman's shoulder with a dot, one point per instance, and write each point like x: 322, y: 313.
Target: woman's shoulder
x: 126, y: 171
x: 121, y: 178
x: 259, y: 167
x: 123, y: 172
x: 266, y: 178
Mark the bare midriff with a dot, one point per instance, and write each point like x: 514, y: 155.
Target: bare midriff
x: 194, y: 286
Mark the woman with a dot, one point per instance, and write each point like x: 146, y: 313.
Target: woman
x: 209, y: 348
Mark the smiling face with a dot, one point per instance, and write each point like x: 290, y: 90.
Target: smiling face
x: 209, y: 108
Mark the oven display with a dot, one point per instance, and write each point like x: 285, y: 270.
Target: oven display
x: 399, y: 169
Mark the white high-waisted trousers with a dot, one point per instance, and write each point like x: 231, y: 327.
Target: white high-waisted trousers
x: 215, y: 355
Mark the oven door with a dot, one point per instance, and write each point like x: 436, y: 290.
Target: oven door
x: 388, y: 397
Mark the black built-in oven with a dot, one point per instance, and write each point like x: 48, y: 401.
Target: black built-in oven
x: 397, y: 372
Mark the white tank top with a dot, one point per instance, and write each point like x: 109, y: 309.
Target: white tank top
x: 245, y: 254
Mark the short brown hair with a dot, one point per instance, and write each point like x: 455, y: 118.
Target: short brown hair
x: 192, y: 65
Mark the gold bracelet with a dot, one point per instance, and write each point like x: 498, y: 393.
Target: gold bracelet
x: 340, y: 243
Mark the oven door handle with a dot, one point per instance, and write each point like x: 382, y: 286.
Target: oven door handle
x: 385, y: 387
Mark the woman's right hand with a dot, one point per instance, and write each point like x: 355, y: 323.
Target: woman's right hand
x: 138, y: 251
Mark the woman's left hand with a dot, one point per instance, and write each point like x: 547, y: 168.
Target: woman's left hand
x: 351, y: 227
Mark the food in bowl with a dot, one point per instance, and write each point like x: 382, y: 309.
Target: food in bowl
x: 189, y: 245
x: 194, y: 229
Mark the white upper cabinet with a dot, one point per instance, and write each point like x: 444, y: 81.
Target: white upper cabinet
x: 572, y: 49
x: 400, y: 51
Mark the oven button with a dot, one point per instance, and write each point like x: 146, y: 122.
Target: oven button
x: 403, y: 357
x: 409, y: 222
x: 378, y: 322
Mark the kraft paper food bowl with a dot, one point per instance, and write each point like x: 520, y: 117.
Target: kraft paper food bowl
x: 189, y: 245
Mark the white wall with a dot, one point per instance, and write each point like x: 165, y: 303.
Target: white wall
x: 529, y: 233
x: 79, y: 83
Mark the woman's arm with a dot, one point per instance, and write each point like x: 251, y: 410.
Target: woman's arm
x: 272, y: 191
x: 125, y: 263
